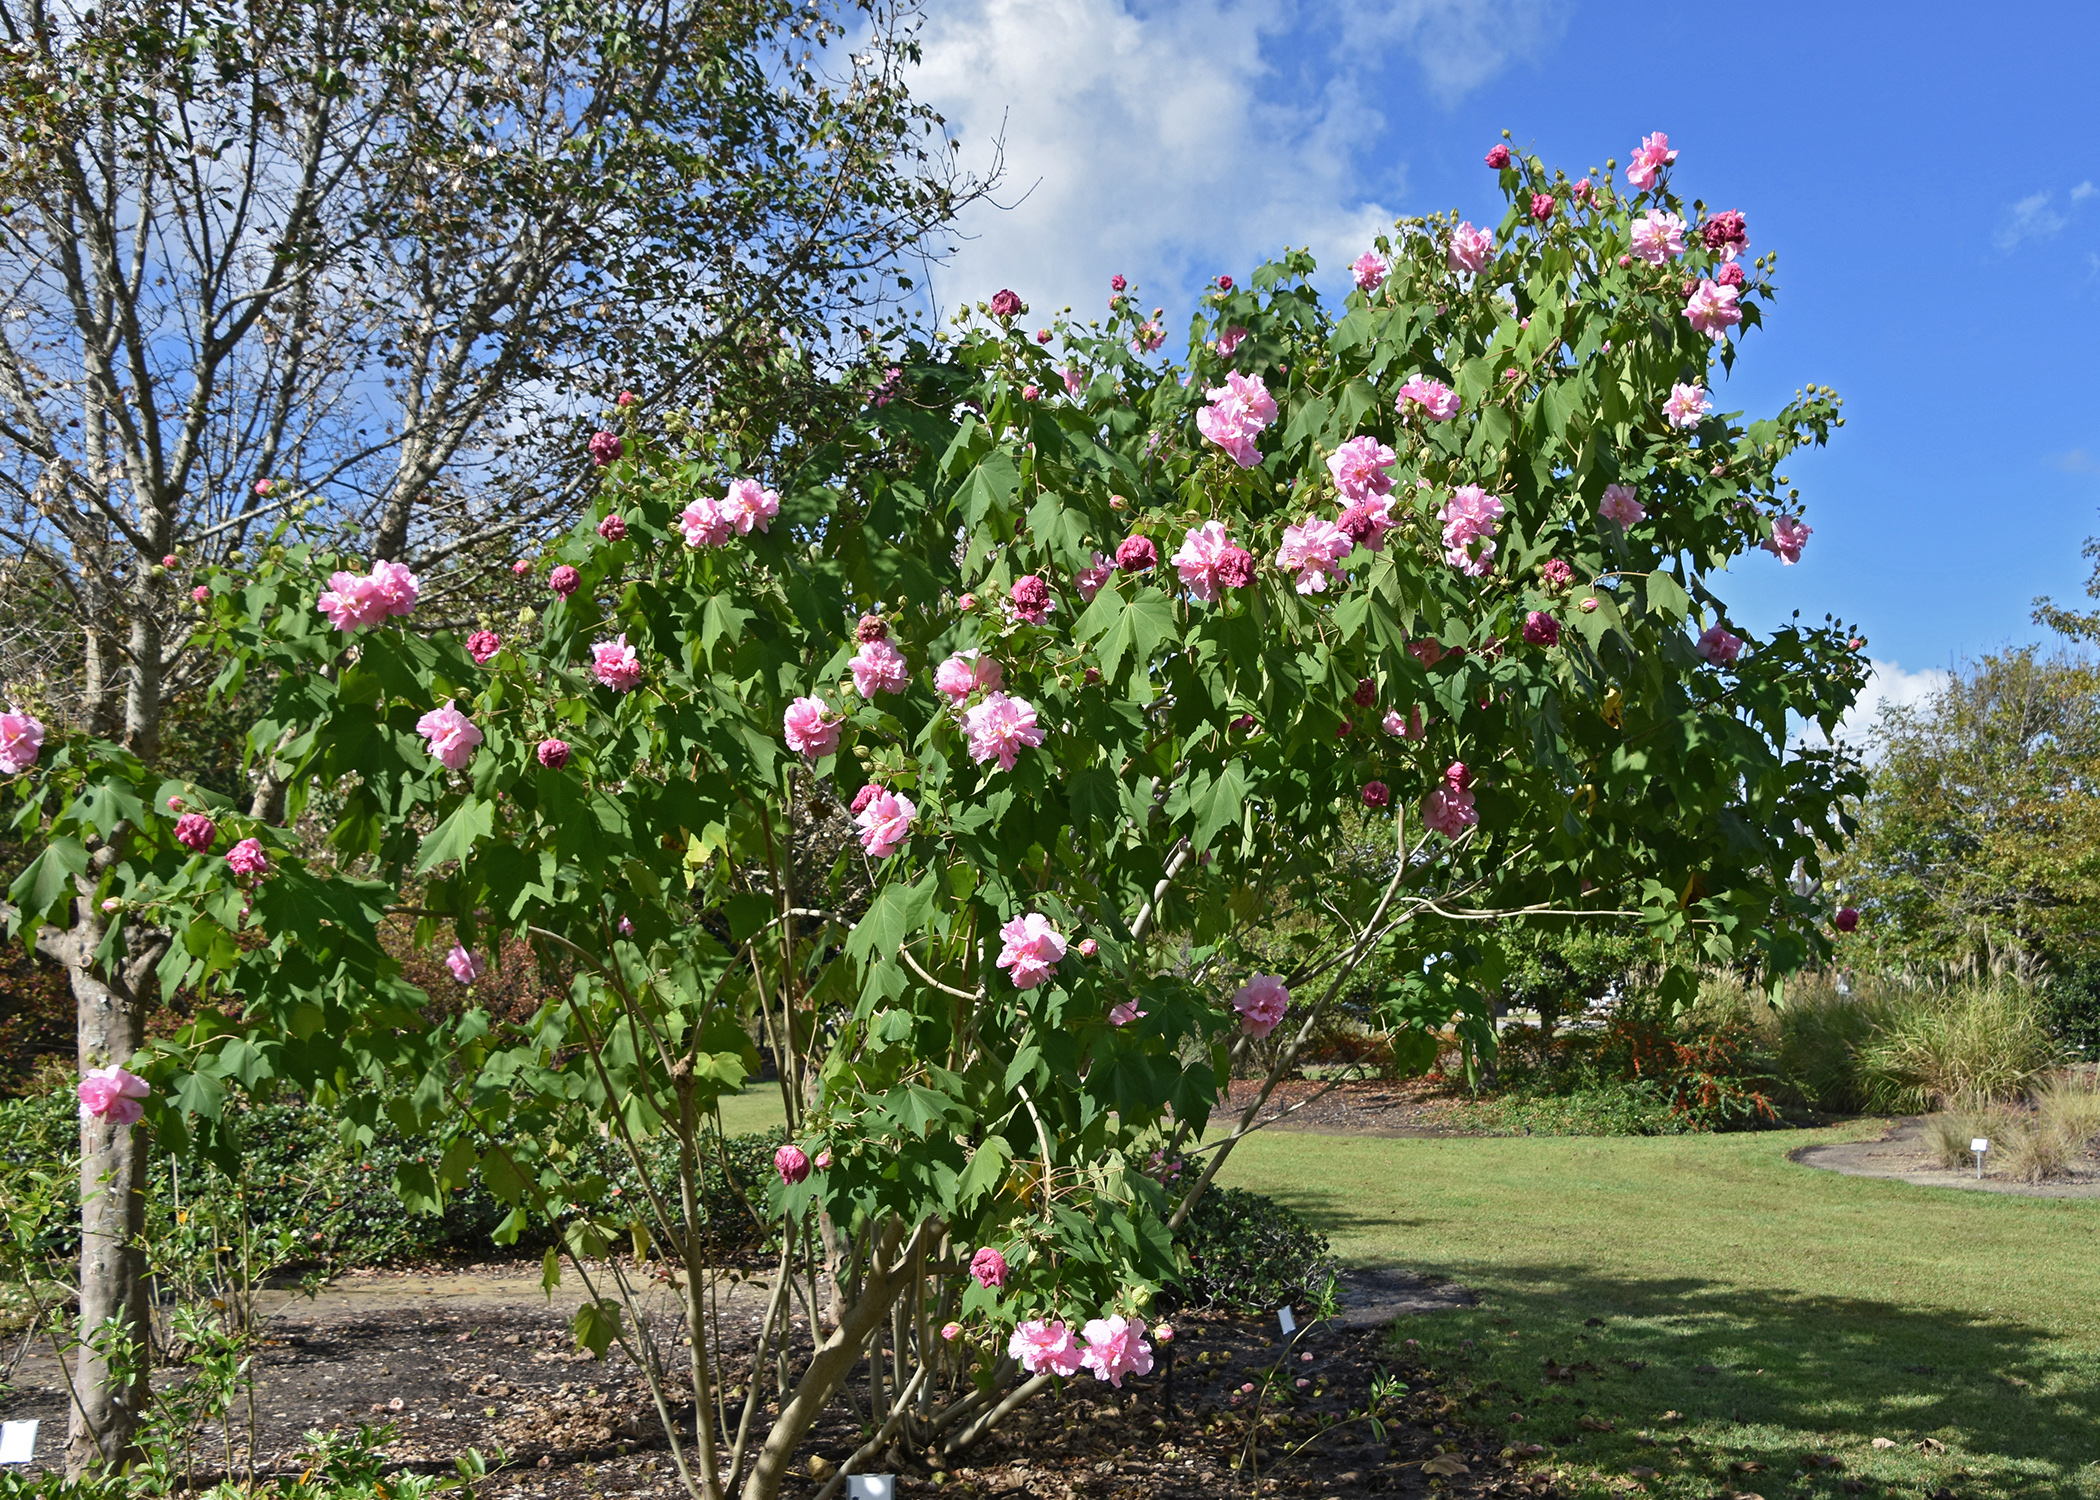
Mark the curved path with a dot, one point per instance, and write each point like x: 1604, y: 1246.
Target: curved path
x: 1904, y: 1155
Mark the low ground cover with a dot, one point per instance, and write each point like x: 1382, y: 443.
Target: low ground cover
x: 1701, y: 1307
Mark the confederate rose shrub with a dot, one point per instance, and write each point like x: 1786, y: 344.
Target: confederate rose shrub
x: 967, y: 759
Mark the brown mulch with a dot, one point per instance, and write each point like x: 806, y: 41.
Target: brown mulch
x: 1335, y: 1411
x: 1403, y: 1107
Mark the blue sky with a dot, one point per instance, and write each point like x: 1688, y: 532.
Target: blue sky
x: 1930, y: 176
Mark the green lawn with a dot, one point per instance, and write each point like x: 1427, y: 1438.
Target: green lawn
x: 1780, y: 1310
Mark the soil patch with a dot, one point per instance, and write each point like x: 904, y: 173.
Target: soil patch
x: 1335, y: 1410
x: 1904, y: 1155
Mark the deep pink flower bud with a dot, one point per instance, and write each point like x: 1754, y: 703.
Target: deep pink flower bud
x: 1243, y: 723
x: 174, y: 804
x: 605, y: 447
x: 1091, y: 676
x: 200, y: 593
x: 168, y: 561
x: 195, y: 831
x: 871, y: 628
x: 791, y: 1164
x: 1846, y: 920
x: 1348, y: 727
x: 1542, y: 206
x: 1588, y: 606
x: 625, y: 398
x: 1625, y: 261
x: 1366, y: 692
x: 1235, y: 567
x: 521, y: 567
x: 612, y: 528
x: 1726, y: 234
x: 1498, y: 156
x: 1541, y: 629
x: 1005, y: 303
x: 824, y: 1160
x: 1030, y: 393
x: 1555, y: 574
x: 966, y: 603
x: 1137, y: 554
x: 563, y: 580
x: 554, y: 754
x: 1088, y: 947
x: 1116, y: 283
x: 989, y: 1267
x: 1377, y: 794
x: 1031, y: 598
x: 1224, y: 283
x: 482, y: 645
x: 1457, y: 777
x: 1729, y: 275
x: 1042, y: 335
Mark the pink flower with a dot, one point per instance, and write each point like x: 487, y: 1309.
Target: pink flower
x: 169, y: 561
x: 1074, y: 382
x: 465, y: 967
x: 1261, y: 1002
x: 1238, y: 411
x: 1650, y: 157
x: 615, y: 664
x: 865, y: 795
x: 1150, y: 335
x: 1030, y: 392
x: 1044, y: 1348
x: 625, y: 926
x: 1687, y: 404
x: 1206, y: 559
x: 999, y: 727
x: 1498, y: 156
x: 1729, y: 275
x: 1116, y: 283
x: 1789, y: 535
x: 989, y: 1267
x: 1377, y: 794
x: 1620, y: 505
x: 1314, y: 550
x: 1005, y: 304
x: 1846, y: 920
x: 1427, y: 652
x: 1469, y: 249
x: 1359, y: 468
x: 200, y: 594
x: 749, y: 504
x: 1042, y: 335
x: 612, y: 528
x: 871, y: 628
x: 1712, y: 310
x: 885, y: 824
x: 1088, y: 580
x: 112, y: 1094
x: 1088, y: 947
x: 1555, y: 574
x: 1370, y: 271
x: 951, y: 1331
x: 1413, y: 727
x: 1230, y: 340
x: 810, y: 728
x: 1449, y: 810
x: 1224, y: 283
x: 1136, y: 554
x: 195, y: 831
x: 21, y: 742
x: 451, y: 734
x: 792, y: 1163
x: 520, y: 568
x: 1163, y: 1334
x: 263, y: 486
x: 1030, y: 597
x: 564, y: 580
x: 554, y: 754
x: 964, y: 673
x: 482, y: 645
x: 1719, y: 645
x: 879, y: 667
x: 625, y: 398
x: 1032, y: 950
x: 1726, y: 234
x: 1437, y: 400
x: 1542, y: 206
x: 1116, y: 1347
x: 605, y: 447
x: 1541, y: 629
x: 705, y: 523
x: 1366, y: 523
x: 1470, y: 518
x: 824, y: 1160
x: 1366, y: 692
x: 1658, y: 236
x: 247, y: 858
x: 351, y: 602
x: 1582, y: 191
x: 1124, y: 1014
x: 1588, y: 606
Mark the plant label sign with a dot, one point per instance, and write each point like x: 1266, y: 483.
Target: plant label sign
x: 1979, y: 1143
x: 17, y: 1441
x: 871, y: 1486
x: 1287, y: 1319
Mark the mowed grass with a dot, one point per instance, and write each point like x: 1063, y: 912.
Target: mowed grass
x: 1733, y: 1308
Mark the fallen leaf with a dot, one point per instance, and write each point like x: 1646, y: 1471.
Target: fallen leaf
x: 1594, y: 1424
x: 1446, y: 1465
x: 1641, y: 1471
x: 1884, y: 1442
x: 1671, y: 1416
x: 1931, y: 1445
x: 1529, y: 1450
x: 1822, y: 1461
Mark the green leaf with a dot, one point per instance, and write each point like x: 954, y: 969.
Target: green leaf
x: 987, y: 1169
x: 454, y: 838
x: 989, y: 489
x: 1218, y: 805
x: 550, y: 1271
x: 596, y: 1325
x: 49, y: 878
x: 1666, y: 597
x: 1137, y: 625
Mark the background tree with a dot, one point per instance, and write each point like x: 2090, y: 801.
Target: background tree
x: 362, y: 267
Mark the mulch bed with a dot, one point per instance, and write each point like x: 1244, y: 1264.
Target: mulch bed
x: 1251, y: 1413
x: 1414, y: 1106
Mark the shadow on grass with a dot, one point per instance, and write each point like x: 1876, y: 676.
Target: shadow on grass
x: 1985, y: 1405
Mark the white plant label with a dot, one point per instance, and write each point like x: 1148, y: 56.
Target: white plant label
x: 1288, y: 1319
x: 870, y: 1486
x: 1979, y: 1144
x: 17, y: 1441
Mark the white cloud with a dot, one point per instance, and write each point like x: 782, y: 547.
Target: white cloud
x: 2083, y: 191
x: 2033, y: 218
x: 1173, y: 142
x: 2076, y: 461
x: 1888, y: 684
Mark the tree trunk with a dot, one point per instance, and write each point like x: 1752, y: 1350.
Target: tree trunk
x: 109, y: 1402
